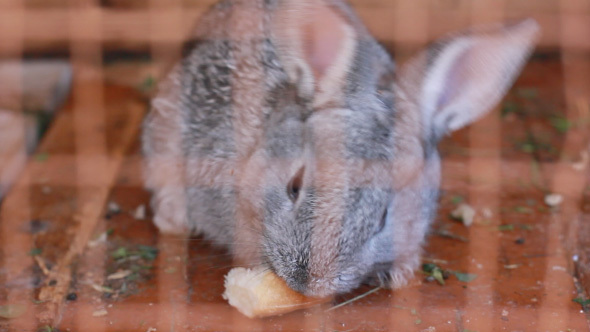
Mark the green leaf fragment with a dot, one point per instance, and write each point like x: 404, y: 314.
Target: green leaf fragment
x: 145, y: 252
x: 148, y: 83
x: 528, y: 147
x: 11, y: 311
x: 429, y: 267
x: 138, y: 268
x: 47, y: 328
x: 148, y: 252
x: 120, y: 253
x: 536, y: 173
x: 581, y: 301
x: 562, y: 125
x: 35, y: 252
x: 133, y: 277
x: 523, y: 209
x: 41, y: 157
x: 511, y: 227
x: 457, y: 199
x: 434, y: 271
x: 465, y: 277
x: 509, y: 108
x: 527, y: 93
x: 438, y: 276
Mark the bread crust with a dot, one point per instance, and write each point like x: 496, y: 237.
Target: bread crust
x: 261, y: 293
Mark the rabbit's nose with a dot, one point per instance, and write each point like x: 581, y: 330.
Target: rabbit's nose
x: 298, y: 278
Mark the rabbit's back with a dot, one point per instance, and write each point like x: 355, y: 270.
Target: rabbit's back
x: 209, y: 115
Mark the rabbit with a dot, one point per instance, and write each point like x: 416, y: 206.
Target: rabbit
x: 287, y: 135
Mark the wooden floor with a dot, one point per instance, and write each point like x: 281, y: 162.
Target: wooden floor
x: 78, y: 251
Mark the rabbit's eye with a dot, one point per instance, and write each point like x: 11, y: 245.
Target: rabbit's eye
x: 382, y: 222
x: 294, y: 186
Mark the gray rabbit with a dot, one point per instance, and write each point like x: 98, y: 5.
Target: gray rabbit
x: 287, y: 135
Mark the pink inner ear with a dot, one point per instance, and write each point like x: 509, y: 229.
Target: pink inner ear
x: 323, y: 39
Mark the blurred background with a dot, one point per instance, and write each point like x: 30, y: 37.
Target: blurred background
x: 77, y: 248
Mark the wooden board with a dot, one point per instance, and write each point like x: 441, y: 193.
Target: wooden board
x: 49, y: 26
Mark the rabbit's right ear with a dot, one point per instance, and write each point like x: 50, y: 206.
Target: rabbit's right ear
x: 460, y: 78
x: 316, y: 45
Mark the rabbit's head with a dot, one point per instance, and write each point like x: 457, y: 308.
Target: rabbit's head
x: 348, y: 178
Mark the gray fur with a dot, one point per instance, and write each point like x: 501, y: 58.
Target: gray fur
x: 326, y: 195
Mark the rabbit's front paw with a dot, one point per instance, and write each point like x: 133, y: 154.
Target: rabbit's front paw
x: 403, y: 272
x: 169, y: 205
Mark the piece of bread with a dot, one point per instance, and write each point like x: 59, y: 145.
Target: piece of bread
x: 261, y: 293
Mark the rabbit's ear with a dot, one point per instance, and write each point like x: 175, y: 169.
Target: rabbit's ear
x: 316, y: 45
x: 459, y: 79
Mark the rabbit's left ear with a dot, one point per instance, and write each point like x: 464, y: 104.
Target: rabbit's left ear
x: 316, y: 45
x: 459, y: 79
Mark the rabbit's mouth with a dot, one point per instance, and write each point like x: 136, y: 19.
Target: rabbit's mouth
x: 313, y: 285
x: 349, y: 279
x: 328, y: 287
